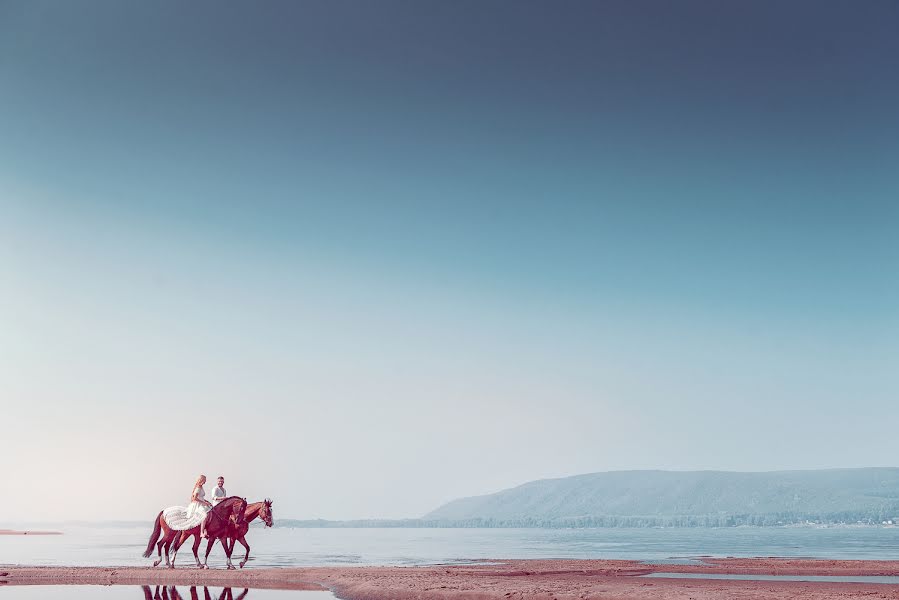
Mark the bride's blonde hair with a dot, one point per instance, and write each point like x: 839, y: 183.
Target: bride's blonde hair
x: 196, y: 485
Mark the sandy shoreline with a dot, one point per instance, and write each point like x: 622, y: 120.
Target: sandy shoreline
x: 510, y: 579
x: 27, y: 532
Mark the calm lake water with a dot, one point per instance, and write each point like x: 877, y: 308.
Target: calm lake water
x: 299, y: 547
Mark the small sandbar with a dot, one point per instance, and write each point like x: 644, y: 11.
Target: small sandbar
x: 807, y: 578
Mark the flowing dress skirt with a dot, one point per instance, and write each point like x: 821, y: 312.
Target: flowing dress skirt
x: 181, y: 518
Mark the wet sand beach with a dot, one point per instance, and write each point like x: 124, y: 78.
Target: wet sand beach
x: 513, y: 579
x: 27, y: 532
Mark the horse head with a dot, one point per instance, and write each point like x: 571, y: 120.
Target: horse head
x: 265, y: 513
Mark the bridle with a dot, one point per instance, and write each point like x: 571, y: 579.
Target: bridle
x: 265, y: 513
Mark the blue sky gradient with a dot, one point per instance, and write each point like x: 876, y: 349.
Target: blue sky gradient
x: 478, y: 242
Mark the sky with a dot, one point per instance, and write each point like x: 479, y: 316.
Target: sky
x: 365, y: 258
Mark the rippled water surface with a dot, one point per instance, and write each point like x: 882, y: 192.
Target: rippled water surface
x: 299, y: 547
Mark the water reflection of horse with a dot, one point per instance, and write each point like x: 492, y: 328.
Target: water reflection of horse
x: 171, y: 593
x: 221, y: 522
x: 261, y: 510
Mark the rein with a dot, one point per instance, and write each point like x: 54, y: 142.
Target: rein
x: 256, y: 510
x: 224, y: 519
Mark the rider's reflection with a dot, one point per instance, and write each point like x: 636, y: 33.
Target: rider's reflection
x: 171, y: 593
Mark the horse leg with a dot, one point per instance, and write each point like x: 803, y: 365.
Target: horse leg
x: 243, y: 540
x: 174, y: 549
x: 166, y: 544
x: 159, y: 546
x: 196, y: 547
x: 228, y: 548
x: 168, y: 547
x: 181, y: 539
x: 162, y: 542
x: 209, y: 545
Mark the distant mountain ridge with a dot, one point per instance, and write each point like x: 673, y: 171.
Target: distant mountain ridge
x: 687, y: 498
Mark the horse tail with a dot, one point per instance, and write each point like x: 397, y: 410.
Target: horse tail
x: 154, y: 537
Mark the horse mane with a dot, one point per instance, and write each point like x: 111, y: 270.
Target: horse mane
x: 267, y: 502
x: 227, y: 502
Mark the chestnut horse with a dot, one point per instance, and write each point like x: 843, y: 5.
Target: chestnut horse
x: 221, y: 522
x: 262, y: 510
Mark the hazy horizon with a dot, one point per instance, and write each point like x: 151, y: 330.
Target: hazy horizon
x: 365, y: 259
x: 14, y: 522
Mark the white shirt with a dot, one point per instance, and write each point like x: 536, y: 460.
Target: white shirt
x: 218, y: 494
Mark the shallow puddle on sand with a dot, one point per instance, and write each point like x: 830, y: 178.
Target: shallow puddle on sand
x: 673, y: 561
x: 153, y: 592
x: 811, y: 578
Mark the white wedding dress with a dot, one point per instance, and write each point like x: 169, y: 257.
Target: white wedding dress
x: 181, y: 518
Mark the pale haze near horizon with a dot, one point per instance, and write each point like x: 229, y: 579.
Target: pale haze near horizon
x: 364, y: 275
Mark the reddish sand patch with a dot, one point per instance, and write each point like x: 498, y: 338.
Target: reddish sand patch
x: 515, y: 579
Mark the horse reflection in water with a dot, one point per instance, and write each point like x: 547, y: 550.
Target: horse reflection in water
x: 171, y: 593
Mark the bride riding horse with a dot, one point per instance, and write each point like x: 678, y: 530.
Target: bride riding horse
x: 223, y: 522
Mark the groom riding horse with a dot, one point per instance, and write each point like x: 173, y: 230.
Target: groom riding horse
x: 222, y: 522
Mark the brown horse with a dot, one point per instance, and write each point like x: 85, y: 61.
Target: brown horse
x: 262, y: 510
x: 221, y: 522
